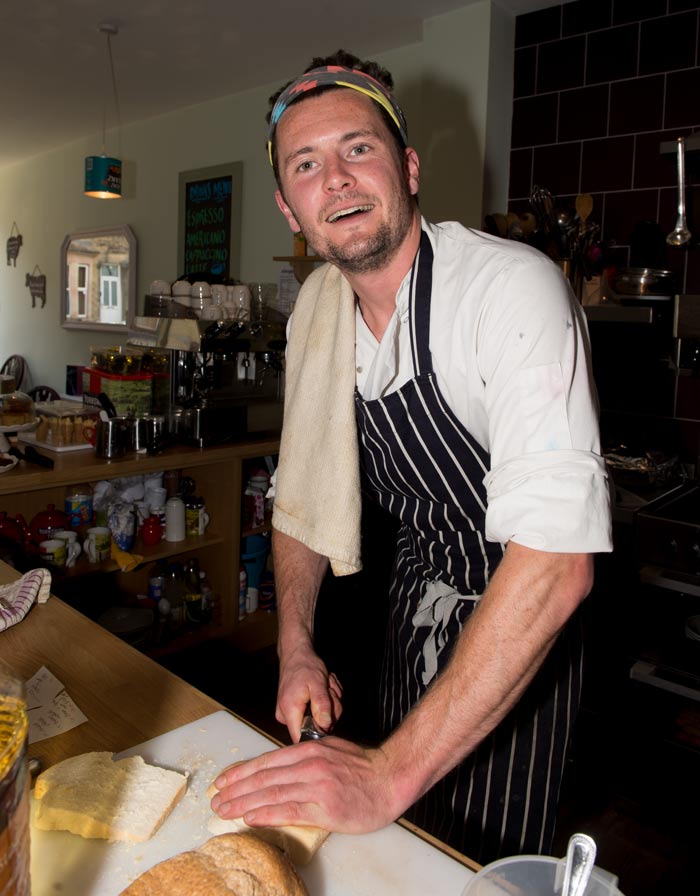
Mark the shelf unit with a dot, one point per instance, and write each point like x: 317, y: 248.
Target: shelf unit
x: 218, y: 472
x: 302, y: 265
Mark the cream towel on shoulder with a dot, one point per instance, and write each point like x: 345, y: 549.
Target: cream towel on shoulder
x: 317, y: 491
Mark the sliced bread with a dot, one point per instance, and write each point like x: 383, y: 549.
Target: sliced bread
x: 301, y: 843
x: 96, y: 797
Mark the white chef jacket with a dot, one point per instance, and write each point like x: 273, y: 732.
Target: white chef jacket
x: 509, y: 350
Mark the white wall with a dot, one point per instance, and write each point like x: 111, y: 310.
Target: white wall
x: 442, y: 84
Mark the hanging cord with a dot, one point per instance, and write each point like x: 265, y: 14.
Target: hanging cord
x: 109, y: 29
x: 116, y: 97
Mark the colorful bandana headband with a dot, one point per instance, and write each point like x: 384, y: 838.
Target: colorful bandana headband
x: 339, y: 76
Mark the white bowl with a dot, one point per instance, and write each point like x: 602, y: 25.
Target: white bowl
x: 181, y: 288
x: 160, y: 288
x: 200, y: 289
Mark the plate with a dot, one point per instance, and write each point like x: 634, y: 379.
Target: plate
x: 13, y: 462
x: 24, y: 427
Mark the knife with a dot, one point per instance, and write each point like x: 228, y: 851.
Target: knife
x: 31, y: 456
x: 309, y: 731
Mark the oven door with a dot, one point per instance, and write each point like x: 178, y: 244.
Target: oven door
x: 664, y: 632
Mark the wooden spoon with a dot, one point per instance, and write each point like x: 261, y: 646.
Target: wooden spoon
x: 584, y: 206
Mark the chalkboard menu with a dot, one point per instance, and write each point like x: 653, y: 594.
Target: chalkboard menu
x: 209, y: 222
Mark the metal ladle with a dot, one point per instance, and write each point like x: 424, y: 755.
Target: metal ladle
x: 580, y: 858
x: 680, y: 235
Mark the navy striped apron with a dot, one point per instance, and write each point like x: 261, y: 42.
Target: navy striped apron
x: 420, y: 464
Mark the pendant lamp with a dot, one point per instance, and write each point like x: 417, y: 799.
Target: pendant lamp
x: 103, y: 173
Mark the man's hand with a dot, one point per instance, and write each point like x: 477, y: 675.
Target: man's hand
x: 331, y: 784
x: 304, y: 681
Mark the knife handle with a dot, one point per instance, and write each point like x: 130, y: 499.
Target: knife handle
x: 31, y: 454
x: 309, y: 731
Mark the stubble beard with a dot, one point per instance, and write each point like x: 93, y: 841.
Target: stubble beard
x: 369, y: 254
x: 374, y: 252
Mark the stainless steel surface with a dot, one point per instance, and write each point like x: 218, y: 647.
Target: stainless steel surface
x: 668, y: 545
x: 309, y: 731
x: 680, y: 235
x: 112, y: 437
x: 643, y: 282
x: 580, y: 858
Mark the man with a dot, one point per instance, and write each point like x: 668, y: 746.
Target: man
x: 474, y: 423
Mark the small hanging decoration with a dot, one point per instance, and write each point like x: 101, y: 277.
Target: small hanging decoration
x: 14, y: 241
x: 36, y: 281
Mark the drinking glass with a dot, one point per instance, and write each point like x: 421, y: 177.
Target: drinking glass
x: 14, y: 789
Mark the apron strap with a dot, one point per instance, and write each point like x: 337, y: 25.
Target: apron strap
x: 419, y: 317
x: 434, y: 613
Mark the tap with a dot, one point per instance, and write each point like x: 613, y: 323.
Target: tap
x: 271, y: 361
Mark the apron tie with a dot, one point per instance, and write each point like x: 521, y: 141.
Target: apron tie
x: 435, y: 610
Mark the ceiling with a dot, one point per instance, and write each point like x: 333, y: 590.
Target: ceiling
x: 168, y: 54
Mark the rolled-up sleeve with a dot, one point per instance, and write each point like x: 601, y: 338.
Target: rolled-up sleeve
x: 548, y: 487
x: 554, y: 501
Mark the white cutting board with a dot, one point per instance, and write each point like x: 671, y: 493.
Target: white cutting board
x: 390, y: 861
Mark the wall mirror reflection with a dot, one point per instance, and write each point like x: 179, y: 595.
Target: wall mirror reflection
x: 98, y: 279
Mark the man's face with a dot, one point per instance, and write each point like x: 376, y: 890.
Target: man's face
x: 343, y: 183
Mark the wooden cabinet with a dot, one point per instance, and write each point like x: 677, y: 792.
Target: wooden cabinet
x: 218, y: 472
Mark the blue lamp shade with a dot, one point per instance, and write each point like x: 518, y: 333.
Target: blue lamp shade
x: 103, y: 177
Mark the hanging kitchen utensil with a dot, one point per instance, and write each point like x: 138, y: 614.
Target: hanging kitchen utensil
x: 680, y: 235
x: 542, y: 204
x: 584, y: 206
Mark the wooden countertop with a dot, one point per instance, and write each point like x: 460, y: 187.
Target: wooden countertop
x: 72, y: 465
x: 127, y: 697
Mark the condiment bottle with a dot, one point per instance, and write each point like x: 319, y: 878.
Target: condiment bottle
x: 175, y: 595
x: 208, y: 598
x: 175, y: 520
x: 193, y: 594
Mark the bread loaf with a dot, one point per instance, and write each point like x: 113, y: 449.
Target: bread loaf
x: 229, y: 865
x: 301, y: 843
x: 96, y: 797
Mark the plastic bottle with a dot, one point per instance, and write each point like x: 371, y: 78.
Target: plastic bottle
x: 193, y: 595
x: 175, y: 595
x: 242, y: 592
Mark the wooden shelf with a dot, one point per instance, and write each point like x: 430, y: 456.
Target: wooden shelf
x: 150, y: 553
x: 183, y: 641
x: 218, y: 472
x: 255, y: 631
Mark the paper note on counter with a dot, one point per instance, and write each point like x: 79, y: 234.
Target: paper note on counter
x: 49, y: 708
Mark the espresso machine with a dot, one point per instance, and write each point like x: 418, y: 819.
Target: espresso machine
x: 231, y: 385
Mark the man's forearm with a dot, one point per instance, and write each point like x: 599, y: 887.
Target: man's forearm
x: 299, y: 572
x: 304, y: 678
x: 529, y: 600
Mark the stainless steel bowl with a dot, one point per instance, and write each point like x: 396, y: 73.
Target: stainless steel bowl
x: 643, y: 282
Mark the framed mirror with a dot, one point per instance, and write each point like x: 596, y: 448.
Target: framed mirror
x: 98, y: 279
